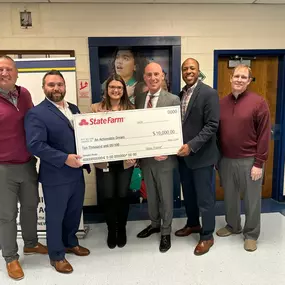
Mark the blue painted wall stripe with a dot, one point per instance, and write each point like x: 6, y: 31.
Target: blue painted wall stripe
x: 45, y: 64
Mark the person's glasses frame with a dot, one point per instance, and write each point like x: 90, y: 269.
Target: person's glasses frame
x: 119, y: 88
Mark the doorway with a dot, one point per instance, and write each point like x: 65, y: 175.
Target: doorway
x: 265, y: 83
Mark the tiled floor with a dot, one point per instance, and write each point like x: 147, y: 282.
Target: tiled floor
x: 141, y: 263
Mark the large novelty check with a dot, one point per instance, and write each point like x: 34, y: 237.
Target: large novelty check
x: 111, y: 136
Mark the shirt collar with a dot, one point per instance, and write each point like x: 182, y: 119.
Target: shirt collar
x: 58, y: 106
x: 239, y: 96
x: 5, y: 92
x: 186, y: 88
x: 155, y: 94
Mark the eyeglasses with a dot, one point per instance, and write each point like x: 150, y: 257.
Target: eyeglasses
x: 119, y: 88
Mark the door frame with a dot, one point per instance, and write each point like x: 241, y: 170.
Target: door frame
x: 279, y: 135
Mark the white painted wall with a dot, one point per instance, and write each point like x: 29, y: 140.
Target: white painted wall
x: 203, y: 28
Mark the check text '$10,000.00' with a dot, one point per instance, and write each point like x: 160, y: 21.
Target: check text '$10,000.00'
x: 132, y: 134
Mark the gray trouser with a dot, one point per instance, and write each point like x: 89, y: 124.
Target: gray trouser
x: 236, y: 180
x: 159, y: 187
x: 18, y: 182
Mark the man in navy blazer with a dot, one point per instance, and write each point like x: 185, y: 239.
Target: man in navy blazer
x: 50, y: 136
x: 200, y: 120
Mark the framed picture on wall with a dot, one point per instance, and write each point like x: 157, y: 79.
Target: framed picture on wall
x: 127, y: 57
x: 129, y: 62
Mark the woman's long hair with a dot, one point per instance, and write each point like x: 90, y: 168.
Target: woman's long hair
x: 140, y: 62
x: 125, y: 103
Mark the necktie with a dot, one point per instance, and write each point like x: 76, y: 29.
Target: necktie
x: 149, y: 104
x: 11, y: 96
x: 14, y: 94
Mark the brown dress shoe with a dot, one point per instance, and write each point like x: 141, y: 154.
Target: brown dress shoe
x: 38, y: 249
x: 78, y: 250
x: 186, y: 231
x: 203, y: 246
x: 15, y: 270
x: 62, y: 266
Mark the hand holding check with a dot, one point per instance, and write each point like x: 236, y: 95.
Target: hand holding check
x: 184, y: 150
x: 73, y: 160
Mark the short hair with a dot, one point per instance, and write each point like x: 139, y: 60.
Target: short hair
x: 239, y: 66
x: 9, y: 58
x: 52, y: 72
x: 198, y: 64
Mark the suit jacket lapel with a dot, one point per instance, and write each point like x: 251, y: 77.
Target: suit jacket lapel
x: 55, y: 110
x: 142, y: 101
x: 73, y: 109
x: 161, y: 99
x: 194, y: 96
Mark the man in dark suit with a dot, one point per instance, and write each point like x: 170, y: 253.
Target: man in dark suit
x: 50, y: 136
x: 158, y: 171
x: 200, y: 120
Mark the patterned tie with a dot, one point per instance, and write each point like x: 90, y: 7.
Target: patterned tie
x: 14, y: 94
x: 11, y: 96
x: 149, y: 104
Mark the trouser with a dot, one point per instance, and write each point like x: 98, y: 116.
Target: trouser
x: 236, y: 180
x: 18, y: 183
x: 199, y: 197
x: 159, y: 187
x: 63, y: 204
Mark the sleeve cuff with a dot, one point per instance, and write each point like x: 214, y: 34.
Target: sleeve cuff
x: 258, y: 163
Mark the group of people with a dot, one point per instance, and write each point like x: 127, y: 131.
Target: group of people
x: 231, y: 135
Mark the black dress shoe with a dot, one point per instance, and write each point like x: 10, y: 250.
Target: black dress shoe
x: 112, y: 239
x: 147, y: 232
x: 165, y: 243
x: 121, y: 237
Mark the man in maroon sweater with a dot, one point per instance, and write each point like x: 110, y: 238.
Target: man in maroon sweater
x: 18, y: 175
x: 244, y: 136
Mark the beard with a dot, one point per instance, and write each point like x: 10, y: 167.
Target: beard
x: 55, y: 96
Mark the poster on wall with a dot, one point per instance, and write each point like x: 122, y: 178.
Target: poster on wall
x: 129, y: 62
x: 31, y: 72
x: 128, y: 57
x: 83, y: 86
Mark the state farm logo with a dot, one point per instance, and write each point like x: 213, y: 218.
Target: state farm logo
x: 83, y: 122
x: 101, y: 121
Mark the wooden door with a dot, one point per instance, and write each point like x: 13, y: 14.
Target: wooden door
x: 265, y: 74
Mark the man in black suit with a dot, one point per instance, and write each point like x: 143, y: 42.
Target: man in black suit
x: 197, y: 157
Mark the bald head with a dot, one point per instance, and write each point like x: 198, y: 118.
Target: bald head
x: 153, y: 66
x: 153, y: 77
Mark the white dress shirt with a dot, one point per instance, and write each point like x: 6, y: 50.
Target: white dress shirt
x: 64, y: 110
x: 154, y: 99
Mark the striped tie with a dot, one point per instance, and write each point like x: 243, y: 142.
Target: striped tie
x: 149, y: 104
